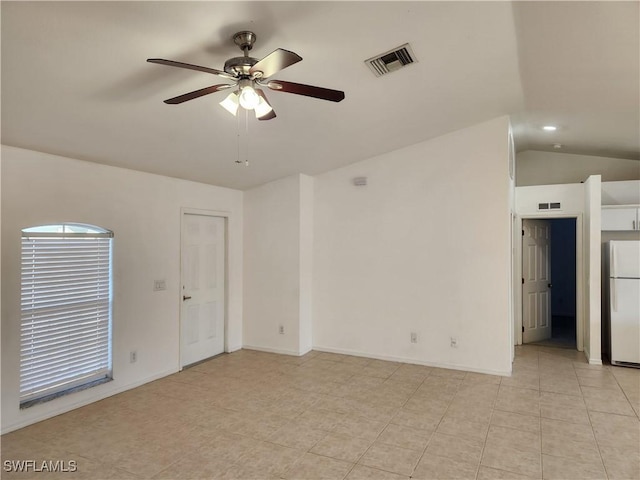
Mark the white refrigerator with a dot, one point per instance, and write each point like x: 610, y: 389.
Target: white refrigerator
x: 623, y: 269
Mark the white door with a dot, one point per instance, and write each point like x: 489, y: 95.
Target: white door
x: 536, y: 298
x: 203, y: 288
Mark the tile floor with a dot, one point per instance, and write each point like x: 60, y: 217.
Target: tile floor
x: 324, y: 416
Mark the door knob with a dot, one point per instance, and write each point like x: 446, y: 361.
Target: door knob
x: 186, y: 297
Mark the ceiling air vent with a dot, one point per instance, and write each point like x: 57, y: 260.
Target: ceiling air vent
x: 392, y: 60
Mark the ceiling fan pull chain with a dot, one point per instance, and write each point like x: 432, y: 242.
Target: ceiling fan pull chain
x: 238, y: 138
x: 246, y: 131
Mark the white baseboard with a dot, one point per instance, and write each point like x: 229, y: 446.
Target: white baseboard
x: 234, y: 348
x: 281, y: 351
x: 84, y: 402
x: 391, y: 358
x: 591, y: 361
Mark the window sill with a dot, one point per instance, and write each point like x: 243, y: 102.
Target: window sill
x: 53, y: 396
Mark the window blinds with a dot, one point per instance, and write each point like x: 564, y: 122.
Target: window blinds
x: 66, y: 312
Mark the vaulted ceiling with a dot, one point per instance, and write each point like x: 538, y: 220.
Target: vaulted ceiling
x: 75, y: 81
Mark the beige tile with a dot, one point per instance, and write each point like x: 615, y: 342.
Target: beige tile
x: 435, y: 467
x: 341, y: 447
x: 470, y: 411
x: 409, y: 370
x: 245, y: 472
x: 421, y: 420
x: 518, y: 400
x: 560, y: 385
x: 522, y: 380
x: 512, y: 460
x: 404, y: 437
x: 381, y: 369
x: 419, y: 403
x: 365, y: 382
x: 481, y: 378
x: 448, y: 384
x: 311, y: 466
x: 600, y: 380
x: 295, y: 435
x: 463, y: 428
x: 390, y: 458
x: 448, y: 373
x: 612, y: 429
x: 480, y: 394
x: 488, y: 473
x: 617, y: 404
x: 194, y: 465
x: 361, y: 427
x: 463, y: 449
x: 255, y: 415
x: 516, y: 439
x: 360, y: 472
x: 518, y: 421
x: 621, y: 463
x: 563, y: 407
x: 566, y: 430
x: 269, y: 458
x: 570, y: 446
x: 562, y: 468
x: 320, y: 419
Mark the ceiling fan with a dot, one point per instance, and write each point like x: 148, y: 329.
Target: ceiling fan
x: 248, y: 74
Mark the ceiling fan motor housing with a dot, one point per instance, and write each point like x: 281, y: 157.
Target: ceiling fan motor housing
x: 239, y: 66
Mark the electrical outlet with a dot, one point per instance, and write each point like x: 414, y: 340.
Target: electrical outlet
x: 454, y: 342
x: 281, y: 329
x: 159, y: 285
x: 133, y: 356
x: 414, y: 337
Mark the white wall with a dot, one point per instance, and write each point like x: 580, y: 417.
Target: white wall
x: 593, y: 268
x: 143, y: 211
x: 570, y: 196
x: 306, y: 263
x: 621, y: 193
x: 424, y: 247
x: 544, y: 168
x: 277, y: 266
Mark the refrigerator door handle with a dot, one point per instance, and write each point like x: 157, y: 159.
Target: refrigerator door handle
x: 613, y: 261
x: 614, y: 296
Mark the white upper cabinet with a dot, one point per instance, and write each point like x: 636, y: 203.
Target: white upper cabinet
x: 620, y: 217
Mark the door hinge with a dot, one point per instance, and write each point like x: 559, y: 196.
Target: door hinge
x: 523, y: 281
x: 523, y: 233
x: 522, y: 328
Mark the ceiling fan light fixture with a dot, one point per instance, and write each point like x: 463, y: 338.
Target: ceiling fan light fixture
x: 263, y: 108
x: 231, y: 103
x: 249, y: 98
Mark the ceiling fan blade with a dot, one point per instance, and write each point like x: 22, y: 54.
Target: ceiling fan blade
x: 274, y: 62
x: 270, y: 112
x: 172, y: 63
x: 197, y: 93
x: 307, y: 90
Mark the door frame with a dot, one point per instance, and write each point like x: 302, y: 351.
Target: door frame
x: 580, y: 281
x: 206, y: 213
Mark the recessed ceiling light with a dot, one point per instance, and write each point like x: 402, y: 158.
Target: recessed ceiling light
x: 557, y: 146
x: 549, y: 128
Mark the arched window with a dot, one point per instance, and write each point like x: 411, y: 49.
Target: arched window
x: 65, y: 340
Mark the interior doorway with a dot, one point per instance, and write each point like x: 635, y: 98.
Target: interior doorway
x: 549, y: 282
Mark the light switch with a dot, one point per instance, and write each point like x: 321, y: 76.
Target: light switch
x: 159, y: 285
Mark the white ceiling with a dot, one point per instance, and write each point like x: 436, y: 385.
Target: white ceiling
x: 75, y: 81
